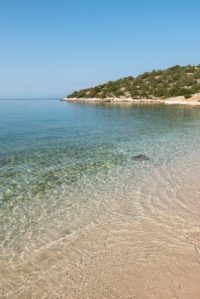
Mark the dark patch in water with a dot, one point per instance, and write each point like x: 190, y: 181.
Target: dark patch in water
x: 140, y: 158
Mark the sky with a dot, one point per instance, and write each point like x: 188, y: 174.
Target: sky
x: 49, y: 48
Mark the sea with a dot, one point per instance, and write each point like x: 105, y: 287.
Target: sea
x: 81, y: 217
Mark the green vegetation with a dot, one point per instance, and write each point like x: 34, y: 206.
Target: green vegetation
x: 173, y: 82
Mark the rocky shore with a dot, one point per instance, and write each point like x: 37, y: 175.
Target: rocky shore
x: 194, y: 101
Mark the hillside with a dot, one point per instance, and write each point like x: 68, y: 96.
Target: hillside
x: 172, y: 82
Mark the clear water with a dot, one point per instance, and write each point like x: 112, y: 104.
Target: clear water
x: 67, y: 176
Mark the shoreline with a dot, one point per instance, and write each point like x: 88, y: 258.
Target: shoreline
x: 120, y: 228
x: 131, y: 259
x: 194, y: 101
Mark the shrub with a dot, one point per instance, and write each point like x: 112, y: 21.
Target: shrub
x: 154, y: 73
x: 130, y: 78
x: 111, y: 88
x: 167, y: 96
x: 187, y: 96
x: 195, y: 88
x: 176, y: 76
x: 159, y: 81
x: 80, y: 94
x: 118, y: 93
x: 171, y: 83
x: 144, y: 95
x: 174, y: 68
x: 190, y: 69
x: 197, y: 75
x: 160, y: 92
x: 144, y: 87
x: 137, y: 81
x: 73, y: 95
x: 183, y: 92
x: 145, y: 75
x: 102, y: 96
x: 134, y: 92
x: 159, y: 73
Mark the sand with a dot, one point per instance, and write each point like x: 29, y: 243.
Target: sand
x: 122, y: 267
x: 153, y: 256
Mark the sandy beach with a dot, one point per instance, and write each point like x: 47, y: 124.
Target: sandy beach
x: 94, y: 221
x: 121, y: 267
x: 100, y: 150
x: 155, y: 255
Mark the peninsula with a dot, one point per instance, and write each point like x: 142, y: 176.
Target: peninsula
x: 175, y: 85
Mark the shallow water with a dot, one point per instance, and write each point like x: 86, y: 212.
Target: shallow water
x: 72, y: 197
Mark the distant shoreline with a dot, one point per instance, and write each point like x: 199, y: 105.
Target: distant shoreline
x: 194, y: 101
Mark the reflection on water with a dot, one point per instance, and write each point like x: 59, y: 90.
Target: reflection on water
x: 79, y: 216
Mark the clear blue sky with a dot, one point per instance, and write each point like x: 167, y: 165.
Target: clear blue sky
x: 50, y: 48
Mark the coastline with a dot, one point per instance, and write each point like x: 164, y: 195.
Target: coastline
x: 194, y: 101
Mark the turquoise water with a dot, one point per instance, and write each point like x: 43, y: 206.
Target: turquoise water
x: 49, y: 143
x: 66, y: 165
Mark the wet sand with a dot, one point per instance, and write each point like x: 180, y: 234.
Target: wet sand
x: 155, y: 254
x: 124, y: 268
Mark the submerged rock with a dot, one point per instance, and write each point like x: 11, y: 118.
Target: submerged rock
x: 140, y: 158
